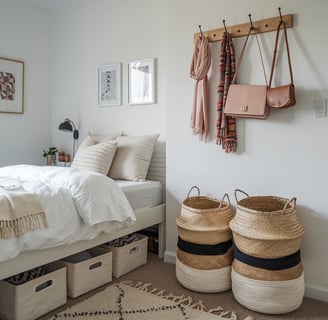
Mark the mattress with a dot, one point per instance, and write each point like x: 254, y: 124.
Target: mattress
x: 142, y: 194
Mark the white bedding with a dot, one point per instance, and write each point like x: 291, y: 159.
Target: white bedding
x: 145, y: 194
x: 79, y: 205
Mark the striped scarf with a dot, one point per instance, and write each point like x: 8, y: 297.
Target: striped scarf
x: 226, y: 134
x: 201, y: 62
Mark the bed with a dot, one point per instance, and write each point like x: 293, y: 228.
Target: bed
x: 146, y: 215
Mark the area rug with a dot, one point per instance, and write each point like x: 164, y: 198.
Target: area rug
x: 127, y: 301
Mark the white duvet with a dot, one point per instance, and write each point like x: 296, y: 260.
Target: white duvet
x: 79, y: 205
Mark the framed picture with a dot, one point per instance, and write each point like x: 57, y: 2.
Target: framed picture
x: 141, y: 74
x: 11, y: 86
x: 109, y: 85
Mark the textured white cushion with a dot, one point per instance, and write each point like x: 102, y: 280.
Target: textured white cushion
x: 95, y: 157
x: 96, y: 138
x: 132, y: 157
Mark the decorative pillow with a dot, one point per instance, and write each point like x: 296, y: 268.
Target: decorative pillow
x: 96, y: 138
x: 95, y: 157
x: 132, y: 157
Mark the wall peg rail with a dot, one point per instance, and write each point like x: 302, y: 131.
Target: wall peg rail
x: 240, y: 30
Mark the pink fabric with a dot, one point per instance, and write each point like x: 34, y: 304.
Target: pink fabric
x: 201, y: 62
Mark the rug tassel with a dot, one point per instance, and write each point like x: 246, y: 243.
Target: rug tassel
x: 184, y: 300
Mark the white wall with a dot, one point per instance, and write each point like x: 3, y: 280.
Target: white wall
x: 284, y: 156
x: 26, y: 35
x: 93, y: 33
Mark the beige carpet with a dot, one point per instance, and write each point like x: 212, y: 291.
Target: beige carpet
x: 125, y: 302
x: 162, y: 276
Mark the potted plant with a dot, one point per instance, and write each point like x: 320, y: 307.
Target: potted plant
x: 50, y: 154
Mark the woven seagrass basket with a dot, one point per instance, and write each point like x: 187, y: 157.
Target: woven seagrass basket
x: 206, y: 262
x: 204, y: 220
x: 271, y: 297
x: 266, y: 226
x: 215, y: 280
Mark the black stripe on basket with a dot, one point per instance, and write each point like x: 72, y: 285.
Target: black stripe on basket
x: 204, y: 249
x: 269, y: 264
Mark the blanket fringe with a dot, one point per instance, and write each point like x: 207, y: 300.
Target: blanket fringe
x: 184, y: 300
x: 22, y: 225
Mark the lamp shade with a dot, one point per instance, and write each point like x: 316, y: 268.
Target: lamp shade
x: 66, y: 126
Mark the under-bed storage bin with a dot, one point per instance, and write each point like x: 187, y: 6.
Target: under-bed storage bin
x: 88, y: 270
x: 129, y: 257
x: 36, y: 297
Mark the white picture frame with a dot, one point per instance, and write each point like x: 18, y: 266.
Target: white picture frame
x: 141, y: 81
x: 109, y: 85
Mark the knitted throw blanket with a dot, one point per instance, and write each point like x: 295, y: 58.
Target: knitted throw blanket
x: 20, y: 212
x: 226, y: 134
x: 201, y: 62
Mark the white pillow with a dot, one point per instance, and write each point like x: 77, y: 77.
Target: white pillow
x: 101, y: 138
x: 132, y: 157
x: 95, y: 157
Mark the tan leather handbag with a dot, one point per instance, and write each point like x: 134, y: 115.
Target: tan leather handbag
x: 281, y: 96
x: 247, y: 101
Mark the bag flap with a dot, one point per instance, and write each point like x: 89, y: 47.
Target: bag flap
x: 280, y: 96
x: 246, y: 100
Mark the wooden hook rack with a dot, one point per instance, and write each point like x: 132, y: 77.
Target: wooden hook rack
x: 240, y: 30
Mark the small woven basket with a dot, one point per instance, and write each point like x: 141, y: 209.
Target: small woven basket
x: 204, y: 262
x: 204, y: 220
x: 271, y: 297
x: 266, y: 226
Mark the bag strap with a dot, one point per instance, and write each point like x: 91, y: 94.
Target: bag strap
x: 275, y: 53
x: 242, y: 54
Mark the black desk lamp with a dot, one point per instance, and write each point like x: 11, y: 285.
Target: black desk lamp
x: 69, y: 126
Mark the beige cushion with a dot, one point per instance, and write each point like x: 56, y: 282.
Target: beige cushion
x: 101, y: 138
x: 132, y: 157
x: 95, y: 157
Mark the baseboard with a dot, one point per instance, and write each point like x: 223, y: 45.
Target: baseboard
x: 169, y: 257
x: 316, y: 292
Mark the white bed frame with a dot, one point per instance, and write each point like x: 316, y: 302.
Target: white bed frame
x: 145, y: 218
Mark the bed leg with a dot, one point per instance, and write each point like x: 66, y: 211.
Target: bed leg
x: 161, y: 239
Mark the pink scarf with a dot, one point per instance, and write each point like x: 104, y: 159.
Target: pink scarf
x: 201, y: 62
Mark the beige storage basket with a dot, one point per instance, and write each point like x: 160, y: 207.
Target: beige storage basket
x: 36, y: 297
x: 205, y: 262
x: 266, y: 226
x: 129, y: 257
x: 215, y: 280
x: 204, y: 220
x: 89, y: 274
x: 271, y: 297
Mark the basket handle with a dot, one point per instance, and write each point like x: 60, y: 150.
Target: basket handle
x: 238, y: 190
x: 289, y: 202
x: 224, y: 196
x: 193, y: 187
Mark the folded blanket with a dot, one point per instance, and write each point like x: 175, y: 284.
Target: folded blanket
x: 20, y: 212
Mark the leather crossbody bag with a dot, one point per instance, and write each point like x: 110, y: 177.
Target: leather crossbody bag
x: 281, y: 96
x: 247, y: 101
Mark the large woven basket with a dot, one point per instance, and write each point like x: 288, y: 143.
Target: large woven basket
x: 215, y: 280
x: 206, y: 262
x: 204, y: 218
x: 266, y: 226
x: 271, y: 297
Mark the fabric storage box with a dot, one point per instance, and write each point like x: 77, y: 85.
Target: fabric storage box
x: 128, y: 257
x: 88, y: 270
x: 36, y: 297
